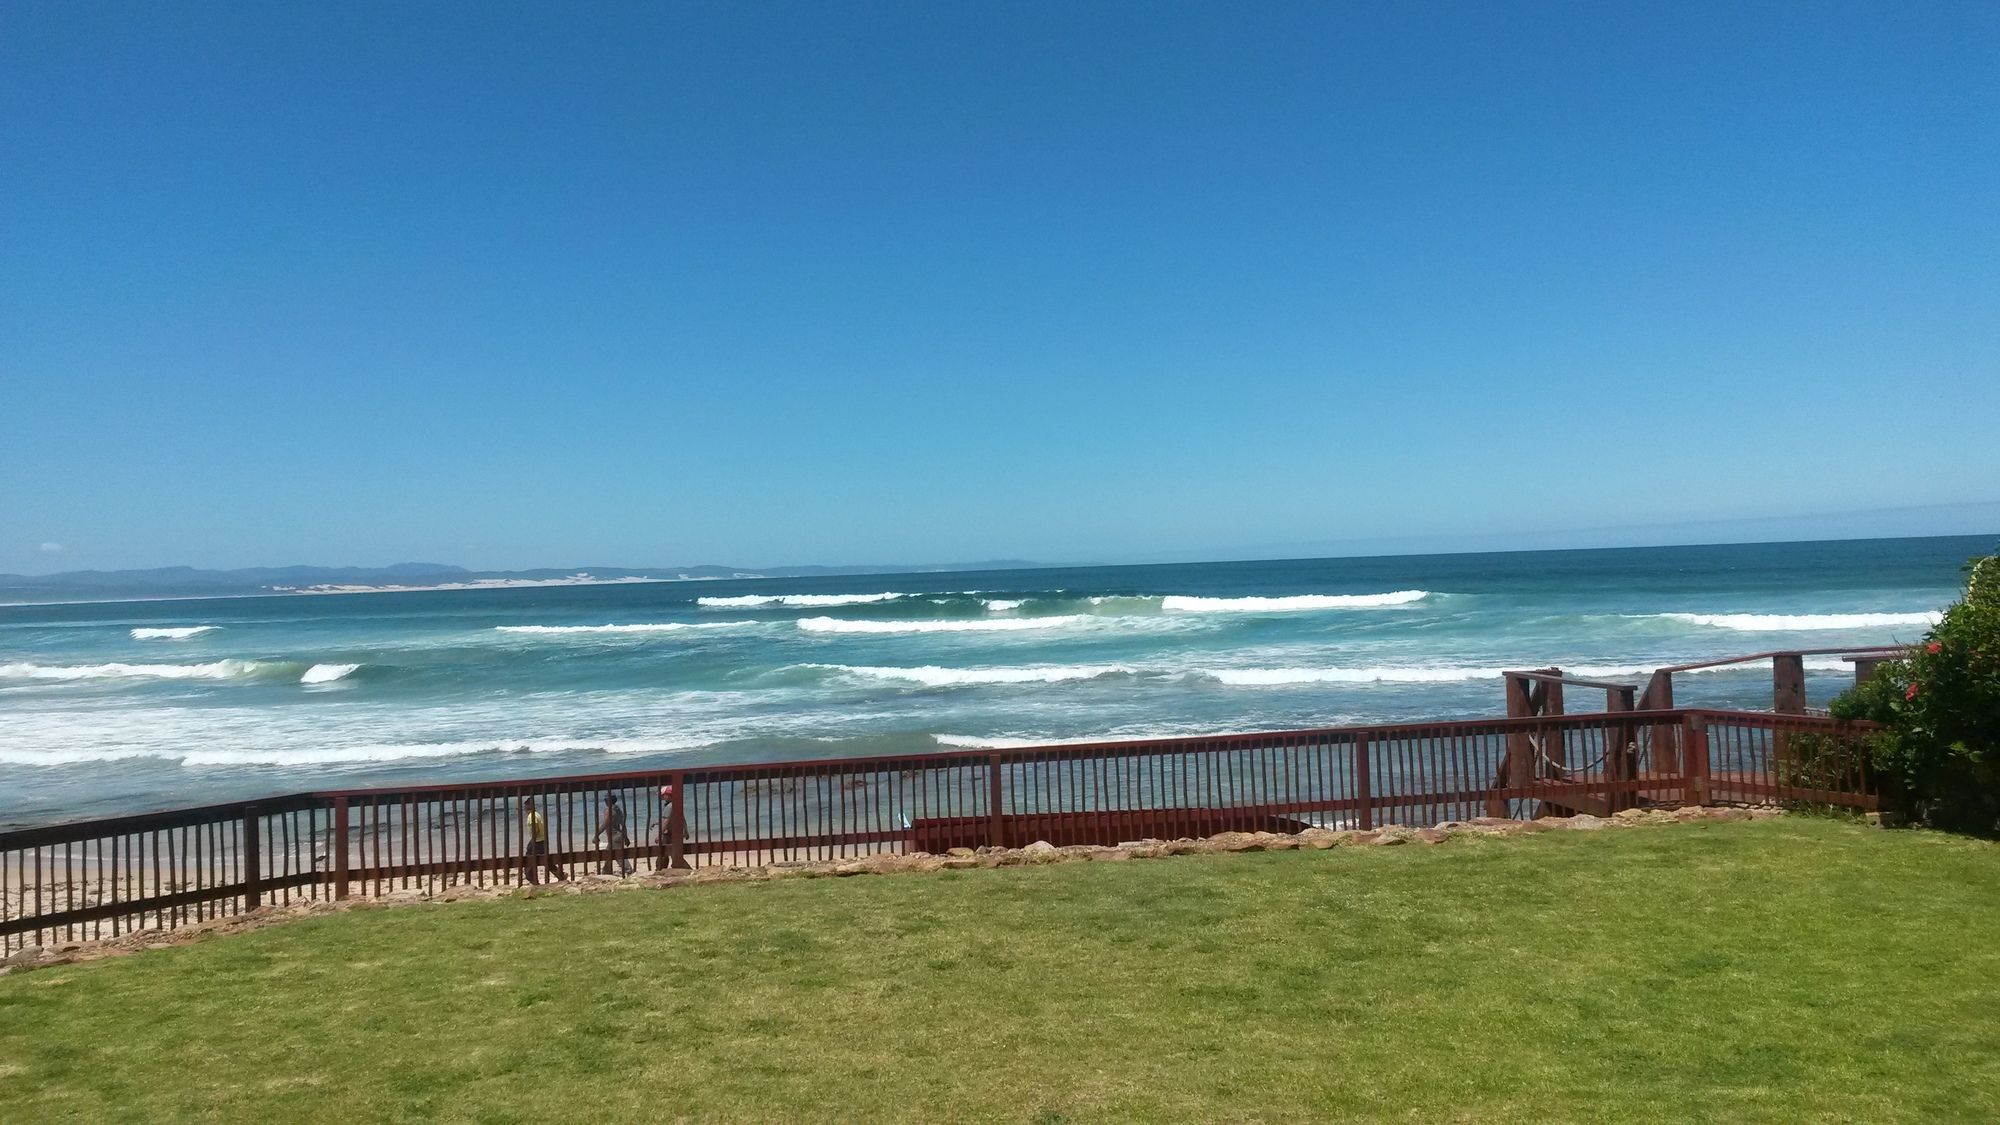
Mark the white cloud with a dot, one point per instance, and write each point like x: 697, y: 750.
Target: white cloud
x: 51, y: 548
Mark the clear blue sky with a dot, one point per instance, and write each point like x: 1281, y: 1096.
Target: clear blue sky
x: 547, y: 284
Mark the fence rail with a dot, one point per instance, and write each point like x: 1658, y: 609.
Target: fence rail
x: 166, y: 870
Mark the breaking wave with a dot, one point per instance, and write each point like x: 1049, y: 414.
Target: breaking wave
x: 1276, y: 677
x: 1271, y: 677
x: 809, y: 601
x: 1296, y: 603
x: 658, y: 627
x: 177, y: 633
x: 327, y: 673
x: 1002, y: 605
x: 214, y: 670
x: 1008, y: 625
x: 1001, y: 742
x: 933, y: 676
x: 397, y: 752
x: 1800, y: 622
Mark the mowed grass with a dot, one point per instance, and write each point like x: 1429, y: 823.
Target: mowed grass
x: 1777, y: 971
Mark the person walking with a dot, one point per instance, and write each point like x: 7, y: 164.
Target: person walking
x: 611, y: 826
x: 536, y: 830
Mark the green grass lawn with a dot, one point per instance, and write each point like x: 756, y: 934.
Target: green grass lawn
x: 1778, y: 970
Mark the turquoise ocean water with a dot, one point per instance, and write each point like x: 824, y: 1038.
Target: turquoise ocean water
x: 114, y: 707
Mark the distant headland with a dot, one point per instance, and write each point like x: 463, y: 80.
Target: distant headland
x: 194, y: 582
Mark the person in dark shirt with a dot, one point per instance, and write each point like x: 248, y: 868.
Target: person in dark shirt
x: 612, y: 828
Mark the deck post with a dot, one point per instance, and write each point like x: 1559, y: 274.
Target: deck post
x: 995, y: 832
x: 1788, y: 697
x: 252, y: 860
x: 340, y: 847
x: 677, y: 826
x: 1659, y: 696
x: 1788, y: 683
x: 1621, y: 751
x: 1694, y: 756
x: 1363, y: 789
x: 1520, y: 705
x: 1865, y: 667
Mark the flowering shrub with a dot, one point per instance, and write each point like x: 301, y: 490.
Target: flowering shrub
x: 1938, y: 762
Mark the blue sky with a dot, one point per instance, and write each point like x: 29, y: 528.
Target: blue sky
x: 516, y: 285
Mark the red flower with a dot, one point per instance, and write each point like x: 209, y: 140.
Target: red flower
x: 1933, y: 648
x: 1910, y: 694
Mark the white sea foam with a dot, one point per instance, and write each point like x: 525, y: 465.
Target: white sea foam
x: 405, y: 751
x: 1295, y: 603
x: 1615, y: 671
x: 1002, y: 605
x: 177, y: 633
x: 70, y: 756
x: 214, y: 670
x: 1272, y: 677
x: 655, y: 627
x: 1006, y: 625
x: 327, y: 673
x: 932, y: 676
x: 806, y: 601
x: 1801, y: 622
x: 1278, y: 677
x: 970, y: 742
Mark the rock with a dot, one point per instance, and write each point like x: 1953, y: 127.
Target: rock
x: 1432, y: 835
x: 961, y: 852
x: 959, y: 862
x: 1386, y: 839
x: 1729, y: 814
x: 31, y: 955
x: 1319, y: 839
x: 1630, y: 815
x: 1111, y: 855
x: 1041, y: 851
x: 1584, y: 822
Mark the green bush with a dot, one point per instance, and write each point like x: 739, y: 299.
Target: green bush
x: 1938, y: 761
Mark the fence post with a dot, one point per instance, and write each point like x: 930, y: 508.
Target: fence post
x: 251, y: 860
x: 996, y: 834
x: 340, y: 847
x: 1621, y: 757
x: 1362, y: 787
x: 1694, y: 757
x: 677, y: 826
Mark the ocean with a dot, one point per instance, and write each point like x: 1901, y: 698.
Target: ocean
x: 125, y: 706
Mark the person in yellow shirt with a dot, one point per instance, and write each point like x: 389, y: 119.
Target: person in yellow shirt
x: 536, y: 831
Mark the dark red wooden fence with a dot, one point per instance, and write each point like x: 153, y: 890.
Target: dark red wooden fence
x: 160, y: 871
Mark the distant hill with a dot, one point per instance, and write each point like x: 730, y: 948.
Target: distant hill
x: 187, y: 581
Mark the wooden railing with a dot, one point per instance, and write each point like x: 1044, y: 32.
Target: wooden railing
x: 167, y: 870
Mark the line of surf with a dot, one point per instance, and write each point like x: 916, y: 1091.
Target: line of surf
x: 639, y: 628
x: 934, y: 676
x: 1800, y: 622
x: 803, y: 601
x: 175, y: 633
x: 211, y: 670
x: 1002, y: 625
